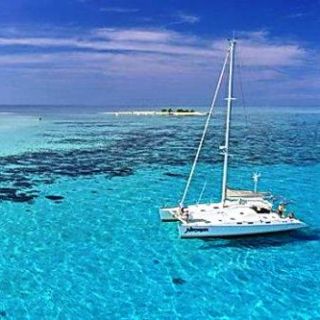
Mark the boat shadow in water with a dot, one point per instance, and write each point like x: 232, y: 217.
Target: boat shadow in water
x: 262, y: 241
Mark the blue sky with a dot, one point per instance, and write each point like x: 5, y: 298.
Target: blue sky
x: 164, y: 52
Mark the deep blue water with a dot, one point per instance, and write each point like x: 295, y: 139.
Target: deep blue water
x: 80, y: 232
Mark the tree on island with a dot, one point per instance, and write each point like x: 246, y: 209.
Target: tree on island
x: 180, y: 110
x: 185, y: 110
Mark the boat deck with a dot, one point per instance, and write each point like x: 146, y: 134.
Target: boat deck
x: 207, y: 220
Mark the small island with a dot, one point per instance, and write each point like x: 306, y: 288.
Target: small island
x: 171, y: 111
x: 162, y: 112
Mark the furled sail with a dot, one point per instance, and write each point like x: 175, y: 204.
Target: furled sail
x: 236, y: 193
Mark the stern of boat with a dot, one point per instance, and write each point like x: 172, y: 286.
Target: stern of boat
x: 169, y: 214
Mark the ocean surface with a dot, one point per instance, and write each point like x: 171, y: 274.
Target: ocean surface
x: 80, y: 232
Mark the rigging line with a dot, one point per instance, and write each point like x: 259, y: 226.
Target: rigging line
x: 241, y: 89
x: 243, y: 100
x: 202, y: 191
x: 205, y: 129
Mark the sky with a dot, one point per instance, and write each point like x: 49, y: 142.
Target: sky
x: 157, y: 52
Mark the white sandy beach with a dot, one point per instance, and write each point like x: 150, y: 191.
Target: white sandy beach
x: 154, y: 113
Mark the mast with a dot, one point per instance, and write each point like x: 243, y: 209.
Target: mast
x: 255, y: 178
x: 213, y: 103
x: 229, y: 99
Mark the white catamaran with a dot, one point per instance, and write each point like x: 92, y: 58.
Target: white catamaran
x: 240, y: 212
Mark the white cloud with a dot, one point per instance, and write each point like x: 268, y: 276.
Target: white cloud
x: 17, y: 59
x: 297, y: 15
x: 256, y: 48
x: 141, y: 35
x: 119, y: 10
x: 39, y: 42
x: 186, y: 18
x: 124, y: 40
x: 163, y: 55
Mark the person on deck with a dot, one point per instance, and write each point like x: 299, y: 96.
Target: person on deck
x: 184, y: 213
x: 281, y: 210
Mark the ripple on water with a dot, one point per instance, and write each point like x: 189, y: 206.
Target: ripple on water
x: 101, y: 252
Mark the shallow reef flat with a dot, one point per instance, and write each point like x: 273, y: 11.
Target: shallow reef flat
x: 155, y: 113
x: 80, y: 232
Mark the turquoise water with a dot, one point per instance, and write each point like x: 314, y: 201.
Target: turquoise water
x: 80, y: 232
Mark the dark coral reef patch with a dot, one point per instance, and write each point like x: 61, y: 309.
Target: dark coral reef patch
x: 54, y: 198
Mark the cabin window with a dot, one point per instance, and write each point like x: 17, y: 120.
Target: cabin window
x: 260, y: 209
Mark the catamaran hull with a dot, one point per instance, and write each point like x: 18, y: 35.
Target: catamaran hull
x: 186, y: 231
